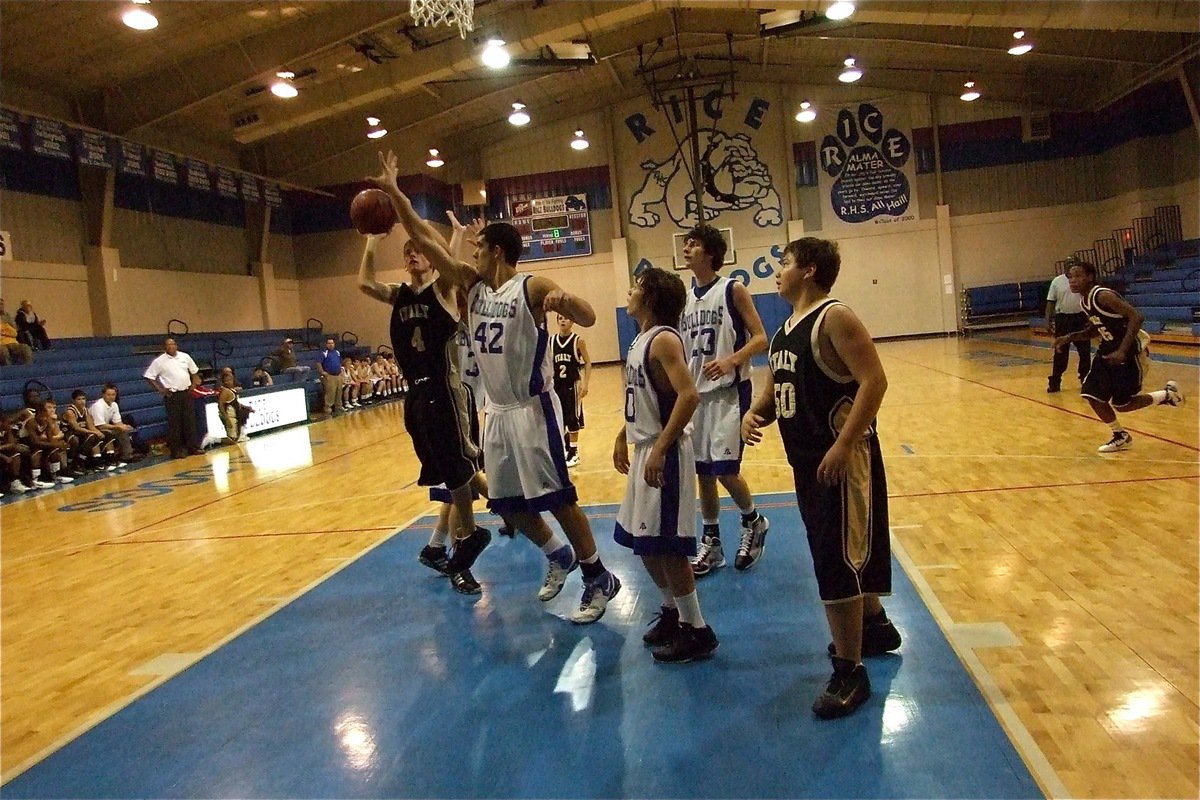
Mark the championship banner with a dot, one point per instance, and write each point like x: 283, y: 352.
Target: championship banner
x: 250, y: 191
x: 272, y: 195
x: 49, y: 138
x: 227, y: 184
x: 866, y: 170
x: 163, y: 167
x: 93, y: 149
x: 197, y: 175
x: 10, y: 130
x: 131, y: 158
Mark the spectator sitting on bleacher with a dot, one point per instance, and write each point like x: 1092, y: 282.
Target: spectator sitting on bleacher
x: 286, y: 357
x: 349, y: 385
x: 261, y: 378
x: 17, y: 459
x: 90, y: 445
x: 379, y: 377
x: 362, y: 374
x: 106, y: 416
x: 31, y: 329
x: 45, y: 437
x: 12, y: 351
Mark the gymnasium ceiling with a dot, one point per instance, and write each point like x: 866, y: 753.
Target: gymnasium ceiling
x: 209, y: 61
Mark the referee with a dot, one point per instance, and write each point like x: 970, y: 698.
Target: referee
x: 1064, y: 315
x: 173, y: 374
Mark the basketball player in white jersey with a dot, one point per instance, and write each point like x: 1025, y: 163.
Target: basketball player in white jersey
x: 824, y: 389
x: 657, y: 519
x: 522, y: 439
x: 721, y: 332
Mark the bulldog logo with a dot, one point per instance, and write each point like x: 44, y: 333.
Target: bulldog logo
x: 733, y: 177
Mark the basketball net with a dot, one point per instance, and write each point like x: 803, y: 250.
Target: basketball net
x: 444, y: 12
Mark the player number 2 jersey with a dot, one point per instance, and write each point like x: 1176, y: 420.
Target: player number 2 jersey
x: 711, y: 329
x: 510, y: 346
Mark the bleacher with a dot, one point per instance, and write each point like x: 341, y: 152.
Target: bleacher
x: 1002, y: 305
x: 88, y: 363
x: 1165, y: 286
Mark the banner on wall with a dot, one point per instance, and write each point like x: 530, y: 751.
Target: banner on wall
x: 48, y: 137
x: 196, y: 173
x: 93, y: 149
x: 272, y: 194
x: 249, y: 187
x: 10, y: 130
x: 162, y: 167
x: 227, y: 184
x: 867, y: 173
x: 131, y: 158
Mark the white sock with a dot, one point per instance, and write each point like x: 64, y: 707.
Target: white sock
x: 689, y: 609
x: 749, y: 511
x: 1159, y: 397
x: 1116, y: 426
x: 438, y: 539
x: 54, y: 467
x: 37, y: 473
x: 552, y: 544
x: 592, y: 559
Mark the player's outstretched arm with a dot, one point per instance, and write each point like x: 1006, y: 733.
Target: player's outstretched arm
x: 367, y: 282
x: 547, y: 295
x: 761, y: 413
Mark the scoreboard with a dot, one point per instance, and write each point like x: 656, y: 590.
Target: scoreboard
x: 553, y: 227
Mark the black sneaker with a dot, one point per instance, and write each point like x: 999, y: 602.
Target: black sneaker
x: 879, y: 636
x: 666, y: 627
x: 692, y: 644
x: 464, y: 583
x: 505, y: 530
x: 848, y: 688
x: 468, y: 549
x: 435, y: 558
x: 1053, y: 386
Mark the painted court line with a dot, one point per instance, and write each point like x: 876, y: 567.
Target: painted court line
x: 137, y: 694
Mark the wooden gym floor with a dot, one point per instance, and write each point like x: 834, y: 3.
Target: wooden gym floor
x: 1065, y: 581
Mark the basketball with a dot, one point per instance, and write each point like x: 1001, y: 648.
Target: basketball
x: 372, y: 212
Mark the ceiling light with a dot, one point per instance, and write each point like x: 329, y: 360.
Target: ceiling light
x: 372, y: 121
x: 378, y: 133
x: 284, y: 89
x: 851, y: 73
x: 839, y: 10
x: 1020, y: 45
x: 970, y: 93
x: 435, y: 160
x: 494, y: 55
x: 579, y: 142
x: 519, y: 115
x: 806, y: 113
x: 140, y: 19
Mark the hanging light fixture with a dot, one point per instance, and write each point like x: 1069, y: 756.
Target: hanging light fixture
x: 434, y: 160
x: 494, y: 54
x: 378, y: 133
x: 839, y: 10
x: 139, y: 18
x: 1020, y: 45
x: 852, y: 71
x: 373, y: 121
x: 579, y: 142
x: 970, y: 93
x: 519, y: 115
x: 283, y: 87
x: 806, y: 113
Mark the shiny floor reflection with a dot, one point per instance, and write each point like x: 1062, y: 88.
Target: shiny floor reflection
x: 382, y: 682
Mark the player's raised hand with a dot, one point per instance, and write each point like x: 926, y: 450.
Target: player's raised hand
x: 752, y: 428
x: 389, y: 170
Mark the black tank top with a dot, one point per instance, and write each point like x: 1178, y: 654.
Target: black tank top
x: 810, y: 404
x: 1111, y: 327
x: 422, y: 333
x: 566, y: 361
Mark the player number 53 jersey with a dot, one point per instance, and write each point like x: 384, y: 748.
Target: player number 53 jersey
x: 711, y: 329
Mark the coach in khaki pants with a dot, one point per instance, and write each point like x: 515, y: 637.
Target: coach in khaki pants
x: 330, y: 367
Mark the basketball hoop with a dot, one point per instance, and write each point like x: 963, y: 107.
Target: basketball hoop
x: 444, y: 12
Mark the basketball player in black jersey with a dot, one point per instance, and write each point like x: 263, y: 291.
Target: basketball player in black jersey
x: 824, y: 389
x: 572, y: 373
x: 1114, y: 382
x: 423, y: 327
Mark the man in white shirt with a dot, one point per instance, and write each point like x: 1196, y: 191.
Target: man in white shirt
x: 1064, y: 316
x: 173, y: 374
x: 106, y: 416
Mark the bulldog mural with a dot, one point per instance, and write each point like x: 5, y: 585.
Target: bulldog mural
x: 733, y: 177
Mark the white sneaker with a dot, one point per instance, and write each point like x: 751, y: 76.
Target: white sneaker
x: 19, y: 488
x: 121, y: 465
x: 709, y: 556
x: 1120, y: 441
x: 244, y: 438
x: 595, y: 598
x: 573, y: 461
x: 1174, y: 396
x: 38, y: 483
x: 562, y: 563
x: 753, y: 543
x: 63, y: 479
x: 109, y: 467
